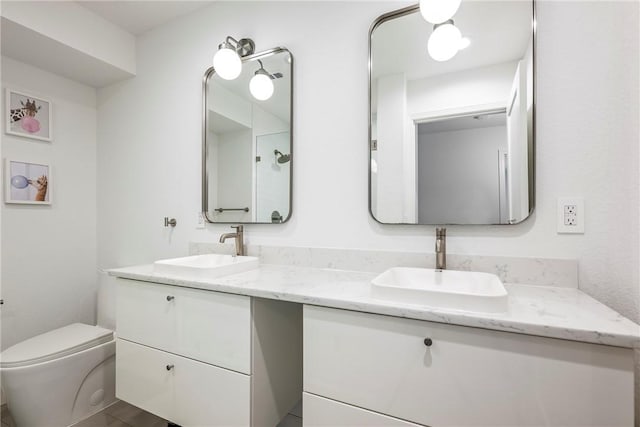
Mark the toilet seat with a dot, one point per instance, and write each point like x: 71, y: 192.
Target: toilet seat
x: 54, y: 344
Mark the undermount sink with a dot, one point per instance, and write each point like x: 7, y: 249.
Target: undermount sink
x: 206, y: 266
x: 457, y: 290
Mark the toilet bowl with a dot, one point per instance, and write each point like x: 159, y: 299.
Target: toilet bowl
x: 59, y: 377
x: 65, y: 375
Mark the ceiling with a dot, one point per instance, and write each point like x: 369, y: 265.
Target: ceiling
x: 51, y: 55
x: 499, y: 32
x: 137, y: 17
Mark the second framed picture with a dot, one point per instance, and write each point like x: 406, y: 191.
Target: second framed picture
x: 28, y: 116
x: 27, y: 182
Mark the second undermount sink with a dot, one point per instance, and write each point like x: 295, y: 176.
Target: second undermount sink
x: 206, y: 266
x: 447, y: 289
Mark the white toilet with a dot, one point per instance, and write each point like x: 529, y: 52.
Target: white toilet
x: 63, y: 376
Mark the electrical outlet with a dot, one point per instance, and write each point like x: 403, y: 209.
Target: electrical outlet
x: 570, y: 215
x: 200, y: 220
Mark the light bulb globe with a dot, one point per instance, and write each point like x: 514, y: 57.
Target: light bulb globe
x: 444, y: 42
x: 227, y: 63
x: 261, y: 86
x: 438, y: 11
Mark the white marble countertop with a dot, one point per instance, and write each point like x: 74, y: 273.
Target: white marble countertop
x: 556, y: 312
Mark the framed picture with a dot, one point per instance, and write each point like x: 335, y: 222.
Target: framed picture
x: 28, y: 116
x: 27, y: 183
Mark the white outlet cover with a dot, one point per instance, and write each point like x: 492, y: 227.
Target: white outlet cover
x: 565, y: 208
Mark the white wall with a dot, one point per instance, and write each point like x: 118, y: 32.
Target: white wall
x: 49, y: 252
x: 266, y: 123
x: 480, y: 86
x: 228, y: 104
x: 587, y: 140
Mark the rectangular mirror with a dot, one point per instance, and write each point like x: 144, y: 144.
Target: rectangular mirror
x: 451, y: 141
x: 247, y: 144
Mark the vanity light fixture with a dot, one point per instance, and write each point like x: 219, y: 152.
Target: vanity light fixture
x: 227, y: 62
x: 261, y: 85
x: 444, y: 42
x: 439, y: 11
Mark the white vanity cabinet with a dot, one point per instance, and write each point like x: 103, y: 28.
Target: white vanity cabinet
x: 366, y: 366
x: 203, y: 358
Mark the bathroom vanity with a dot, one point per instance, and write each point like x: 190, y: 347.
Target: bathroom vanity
x: 200, y: 358
x: 555, y: 358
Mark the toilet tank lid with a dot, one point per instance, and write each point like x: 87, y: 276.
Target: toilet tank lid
x: 54, y: 344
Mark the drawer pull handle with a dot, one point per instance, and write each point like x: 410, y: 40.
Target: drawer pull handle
x: 170, y: 297
x: 169, y: 367
x: 428, y: 342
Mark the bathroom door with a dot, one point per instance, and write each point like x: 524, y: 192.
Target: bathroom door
x: 272, y: 177
x: 518, y: 178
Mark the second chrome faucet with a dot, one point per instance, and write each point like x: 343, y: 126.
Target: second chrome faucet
x: 238, y: 236
x: 441, y: 249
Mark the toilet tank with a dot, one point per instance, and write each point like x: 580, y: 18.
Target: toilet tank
x: 106, y: 306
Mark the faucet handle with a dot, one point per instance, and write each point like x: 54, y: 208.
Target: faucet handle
x: 441, y: 232
x: 239, y: 228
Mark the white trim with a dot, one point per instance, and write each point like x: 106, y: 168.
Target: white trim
x: 466, y: 110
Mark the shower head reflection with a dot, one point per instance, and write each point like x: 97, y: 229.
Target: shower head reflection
x: 281, y: 158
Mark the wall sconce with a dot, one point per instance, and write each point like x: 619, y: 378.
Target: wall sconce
x: 261, y: 86
x: 227, y: 62
x: 438, y: 11
x: 445, y: 41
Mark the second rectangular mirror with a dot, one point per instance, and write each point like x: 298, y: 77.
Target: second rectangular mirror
x: 451, y: 121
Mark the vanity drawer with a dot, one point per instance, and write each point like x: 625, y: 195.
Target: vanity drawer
x: 468, y: 376
x: 322, y: 412
x: 212, y: 327
x: 143, y: 380
x: 190, y: 393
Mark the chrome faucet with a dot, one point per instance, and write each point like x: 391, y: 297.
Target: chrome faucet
x: 441, y: 249
x: 239, y: 236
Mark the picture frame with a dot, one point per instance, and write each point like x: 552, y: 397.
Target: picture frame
x: 28, y: 116
x: 27, y: 182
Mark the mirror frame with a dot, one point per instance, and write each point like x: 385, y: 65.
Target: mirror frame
x: 398, y: 13
x: 205, y: 170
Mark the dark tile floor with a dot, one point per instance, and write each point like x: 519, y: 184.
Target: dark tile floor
x: 122, y: 414
x: 7, y: 421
